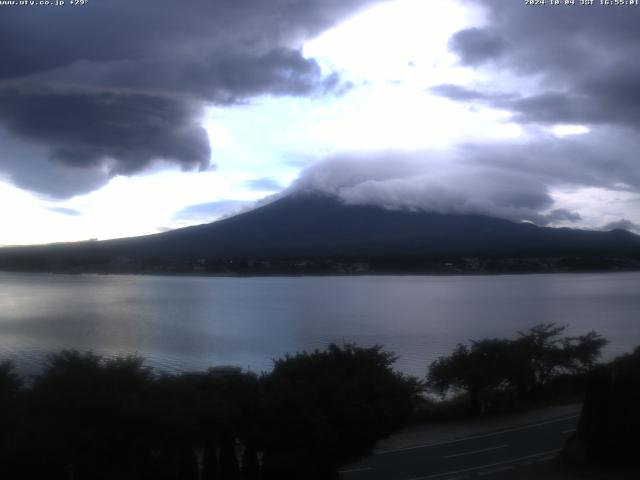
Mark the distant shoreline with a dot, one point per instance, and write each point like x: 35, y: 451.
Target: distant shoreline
x: 325, y: 274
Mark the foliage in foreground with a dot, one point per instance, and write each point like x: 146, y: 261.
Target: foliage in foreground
x: 89, y: 417
x: 336, y: 404
x: 607, y: 432
x: 519, y: 367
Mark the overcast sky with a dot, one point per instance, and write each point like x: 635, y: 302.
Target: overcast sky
x: 122, y: 118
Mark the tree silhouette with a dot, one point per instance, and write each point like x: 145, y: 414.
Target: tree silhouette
x: 541, y: 354
x: 607, y: 432
x: 329, y: 407
x: 10, y: 413
x: 526, y: 364
x: 88, y: 415
x: 250, y: 464
x: 226, y: 407
x: 480, y: 366
x: 10, y: 381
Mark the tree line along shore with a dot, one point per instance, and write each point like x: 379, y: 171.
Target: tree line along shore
x: 89, y: 417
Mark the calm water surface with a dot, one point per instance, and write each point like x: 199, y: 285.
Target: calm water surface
x: 193, y: 322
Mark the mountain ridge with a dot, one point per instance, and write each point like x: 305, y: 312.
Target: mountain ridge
x: 305, y: 226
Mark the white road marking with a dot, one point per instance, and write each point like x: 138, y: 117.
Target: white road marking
x: 475, y: 451
x: 474, y: 437
x: 481, y: 467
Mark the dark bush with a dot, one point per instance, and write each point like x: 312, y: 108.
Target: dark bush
x: 507, y: 371
x: 86, y: 417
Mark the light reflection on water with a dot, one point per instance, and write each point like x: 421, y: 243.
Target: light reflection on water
x: 181, y: 323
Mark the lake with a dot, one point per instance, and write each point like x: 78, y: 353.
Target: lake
x: 182, y: 323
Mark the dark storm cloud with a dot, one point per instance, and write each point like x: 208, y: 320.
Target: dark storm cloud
x: 118, y: 30
x: 221, y: 77
x: 605, y: 158
x: 583, y: 57
x: 124, y: 131
x: 566, y: 40
x: 476, y: 45
x: 28, y: 166
x: 612, y: 97
x: 597, y: 101
x: 119, y: 84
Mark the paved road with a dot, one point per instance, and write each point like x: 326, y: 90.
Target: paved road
x: 488, y: 456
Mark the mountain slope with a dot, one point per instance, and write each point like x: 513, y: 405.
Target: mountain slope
x: 303, y: 226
